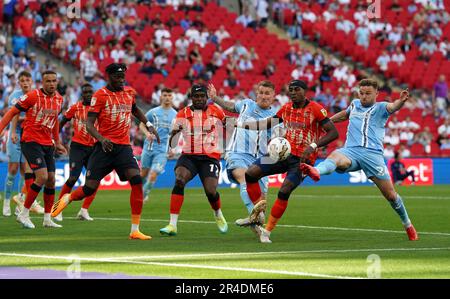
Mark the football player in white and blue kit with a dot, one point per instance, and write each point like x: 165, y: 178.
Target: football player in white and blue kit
x: 154, y: 155
x: 16, y: 160
x: 363, y: 148
x: 247, y: 146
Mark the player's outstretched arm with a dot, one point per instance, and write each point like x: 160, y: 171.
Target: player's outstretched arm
x: 8, y: 117
x: 107, y: 145
x: 398, y: 104
x: 340, y: 116
x: 261, y: 124
x: 331, y: 135
x: 227, y: 105
x: 149, y: 126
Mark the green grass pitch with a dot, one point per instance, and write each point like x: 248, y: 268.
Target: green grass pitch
x: 326, y: 232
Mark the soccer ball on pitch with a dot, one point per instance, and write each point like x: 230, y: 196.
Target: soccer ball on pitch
x: 279, y: 149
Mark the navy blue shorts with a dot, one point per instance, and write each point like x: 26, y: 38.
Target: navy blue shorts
x: 290, y: 165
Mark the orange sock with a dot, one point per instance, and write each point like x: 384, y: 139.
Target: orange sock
x: 135, y: 219
x: 277, y: 211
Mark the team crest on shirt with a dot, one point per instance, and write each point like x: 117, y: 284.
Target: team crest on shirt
x: 38, y: 161
x: 23, y: 98
x: 324, y: 112
x: 93, y: 100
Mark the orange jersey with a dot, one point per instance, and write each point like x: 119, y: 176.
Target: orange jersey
x: 40, y: 117
x: 78, y: 113
x: 202, y: 130
x: 302, y: 125
x: 114, y: 113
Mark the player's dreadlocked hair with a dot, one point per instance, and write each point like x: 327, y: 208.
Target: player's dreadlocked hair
x: 368, y: 82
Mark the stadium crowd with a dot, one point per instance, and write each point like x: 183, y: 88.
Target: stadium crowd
x: 201, y: 49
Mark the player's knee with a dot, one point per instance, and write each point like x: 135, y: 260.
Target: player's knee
x: 249, y: 178
x: 92, y: 184
x: 71, y: 181
x: 180, y: 182
x: 284, y: 194
x: 50, y: 181
x: 153, y: 176
x: 136, y: 180
x: 41, y: 179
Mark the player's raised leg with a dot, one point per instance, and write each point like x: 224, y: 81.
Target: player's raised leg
x: 182, y: 176
x: 387, y: 189
x: 335, y: 160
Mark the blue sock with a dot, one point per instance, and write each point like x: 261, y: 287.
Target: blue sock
x: 147, y: 187
x: 400, y: 209
x: 245, y: 198
x: 9, y: 186
x: 21, y: 182
x: 326, y: 167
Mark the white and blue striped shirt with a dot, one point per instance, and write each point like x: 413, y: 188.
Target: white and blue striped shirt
x: 366, y: 126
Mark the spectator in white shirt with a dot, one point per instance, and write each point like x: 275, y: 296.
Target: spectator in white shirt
x: 388, y: 151
x: 406, y: 136
x: 308, y: 15
x: 344, y: 25
x: 404, y: 151
x: 221, y: 33
x: 193, y: 35
x: 392, y: 138
x: 383, y: 60
x: 444, y: 47
x: 409, y: 124
x: 117, y: 54
x: 394, y: 123
x: 398, y: 56
x: 181, y: 48
x: 160, y: 33
x: 396, y: 35
x: 245, y: 64
x: 244, y: 19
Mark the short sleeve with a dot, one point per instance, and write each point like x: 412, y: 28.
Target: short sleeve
x: 70, y: 113
x: 149, y: 116
x: 320, y: 113
x: 239, y: 105
x: 218, y: 112
x: 382, y: 109
x: 27, y: 101
x: 97, y: 103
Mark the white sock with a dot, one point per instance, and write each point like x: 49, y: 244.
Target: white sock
x: 84, y: 211
x: 7, y: 201
x: 218, y: 213
x: 174, y: 219
x: 25, y: 212
x: 47, y: 217
x: 134, y: 227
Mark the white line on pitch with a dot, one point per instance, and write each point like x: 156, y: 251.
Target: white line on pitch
x: 252, y: 270
x: 274, y: 252
x: 282, y: 225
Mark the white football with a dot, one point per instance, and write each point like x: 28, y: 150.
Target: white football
x: 279, y: 149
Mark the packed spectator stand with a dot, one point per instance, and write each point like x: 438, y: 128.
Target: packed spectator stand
x: 181, y: 42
